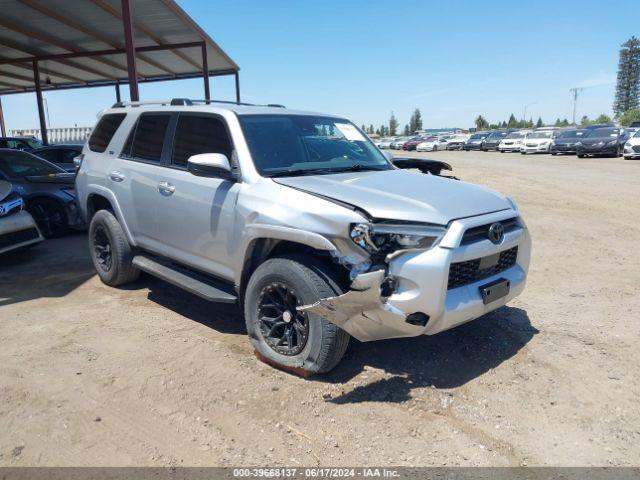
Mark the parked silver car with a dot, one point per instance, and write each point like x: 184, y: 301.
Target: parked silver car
x: 17, y: 227
x: 300, y: 218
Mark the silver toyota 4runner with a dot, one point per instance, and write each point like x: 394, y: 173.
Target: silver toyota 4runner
x: 300, y: 219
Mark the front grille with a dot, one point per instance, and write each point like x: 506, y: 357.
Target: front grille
x: 636, y: 148
x: 20, y: 236
x: 464, y: 273
x: 532, y: 144
x: 475, y: 234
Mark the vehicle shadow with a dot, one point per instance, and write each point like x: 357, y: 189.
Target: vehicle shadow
x: 53, y: 268
x: 222, y: 317
x: 446, y: 360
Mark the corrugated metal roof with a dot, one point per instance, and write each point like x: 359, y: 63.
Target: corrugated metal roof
x: 42, y: 28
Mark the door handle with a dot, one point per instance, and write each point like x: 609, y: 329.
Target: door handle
x: 166, y: 188
x: 116, y: 176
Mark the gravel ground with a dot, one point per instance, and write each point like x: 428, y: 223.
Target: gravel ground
x: 150, y: 375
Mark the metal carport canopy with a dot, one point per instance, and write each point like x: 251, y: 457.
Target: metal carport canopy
x: 60, y: 44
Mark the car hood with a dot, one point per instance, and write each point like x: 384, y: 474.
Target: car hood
x: 538, y: 140
x: 594, y: 140
x: 66, y: 178
x: 565, y: 141
x: 5, y: 189
x: 402, y: 195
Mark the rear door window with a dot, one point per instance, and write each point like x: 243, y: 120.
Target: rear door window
x: 104, y: 131
x: 51, y: 155
x: 197, y: 134
x: 146, y: 139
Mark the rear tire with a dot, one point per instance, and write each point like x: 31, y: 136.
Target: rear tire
x: 110, y: 250
x: 269, y: 302
x: 580, y: 155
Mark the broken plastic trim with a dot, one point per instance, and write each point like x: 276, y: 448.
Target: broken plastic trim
x: 356, y: 311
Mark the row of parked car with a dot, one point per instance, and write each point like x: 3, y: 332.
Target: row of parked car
x: 592, y: 140
x: 37, y: 192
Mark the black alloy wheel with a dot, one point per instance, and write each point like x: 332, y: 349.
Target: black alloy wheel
x: 50, y: 218
x: 283, y: 328
x: 102, y: 248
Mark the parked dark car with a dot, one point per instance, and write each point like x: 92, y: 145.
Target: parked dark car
x: 61, y: 155
x: 566, y: 141
x: 475, y: 141
x: 412, y: 143
x: 48, y: 191
x: 602, y: 141
x: 492, y: 140
x: 27, y: 144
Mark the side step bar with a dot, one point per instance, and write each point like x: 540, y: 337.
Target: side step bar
x: 185, y: 279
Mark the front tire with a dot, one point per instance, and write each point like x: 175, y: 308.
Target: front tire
x: 110, y: 250
x: 50, y: 216
x: 277, y: 331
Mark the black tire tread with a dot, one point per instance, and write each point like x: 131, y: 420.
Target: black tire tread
x: 121, y: 250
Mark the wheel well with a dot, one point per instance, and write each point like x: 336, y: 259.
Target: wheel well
x: 263, y: 249
x: 95, y: 203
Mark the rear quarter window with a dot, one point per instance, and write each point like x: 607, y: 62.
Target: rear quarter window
x: 104, y: 131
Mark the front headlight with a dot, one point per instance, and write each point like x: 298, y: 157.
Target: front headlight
x: 381, y: 239
x: 612, y: 142
x: 578, y: 144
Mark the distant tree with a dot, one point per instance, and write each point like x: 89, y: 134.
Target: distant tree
x: 602, y: 118
x: 558, y: 122
x: 407, y: 131
x: 503, y: 124
x: 530, y: 123
x: 629, y: 116
x: 628, y: 81
x: 539, y: 123
x: 512, y: 123
x: 415, y: 123
x: 378, y: 132
x: 564, y: 123
x: 371, y: 129
x: 494, y: 126
x: 481, y: 123
x: 364, y: 129
x: 393, y: 125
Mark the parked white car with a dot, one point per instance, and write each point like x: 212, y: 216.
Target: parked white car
x: 432, y: 145
x: 632, y: 147
x: 398, y: 142
x: 17, y: 227
x: 456, y: 142
x: 513, y: 141
x: 384, y: 143
x: 538, y: 141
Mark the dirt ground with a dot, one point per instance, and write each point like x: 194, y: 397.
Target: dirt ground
x: 150, y: 375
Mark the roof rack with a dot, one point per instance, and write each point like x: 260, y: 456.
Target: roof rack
x: 189, y: 102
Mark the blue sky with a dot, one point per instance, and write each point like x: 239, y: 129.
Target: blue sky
x: 363, y: 59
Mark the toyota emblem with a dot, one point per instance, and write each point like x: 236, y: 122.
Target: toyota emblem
x: 496, y: 232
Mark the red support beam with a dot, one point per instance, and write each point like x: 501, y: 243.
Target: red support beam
x: 127, y: 23
x: 205, y: 72
x: 237, y: 75
x: 2, y: 128
x: 43, y: 124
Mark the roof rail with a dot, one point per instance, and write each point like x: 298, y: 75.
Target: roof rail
x: 189, y: 102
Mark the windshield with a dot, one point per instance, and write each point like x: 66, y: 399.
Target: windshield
x: 515, y: 135
x: 540, y: 135
x: 603, y: 132
x: 32, y: 142
x: 637, y: 134
x: 16, y: 164
x: 496, y: 135
x: 571, y: 134
x: 305, y: 144
x: 478, y: 136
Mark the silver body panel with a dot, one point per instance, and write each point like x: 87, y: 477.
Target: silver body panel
x: 211, y: 224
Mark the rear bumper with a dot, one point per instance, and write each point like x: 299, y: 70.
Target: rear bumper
x: 422, y: 286
x: 18, y: 230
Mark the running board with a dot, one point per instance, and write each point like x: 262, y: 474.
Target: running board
x: 185, y: 279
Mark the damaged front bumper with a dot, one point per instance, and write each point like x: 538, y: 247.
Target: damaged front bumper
x: 422, y: 291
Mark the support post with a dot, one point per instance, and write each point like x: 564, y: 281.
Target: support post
x: 205, y: 72
x: 127, y: 23
x: 118, y: 98
x: 43, y: 124
x: 2, y: 127
x: 237, y: 74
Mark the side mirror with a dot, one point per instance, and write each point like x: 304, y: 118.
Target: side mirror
x: 388, y: 155
x: 215, y: 165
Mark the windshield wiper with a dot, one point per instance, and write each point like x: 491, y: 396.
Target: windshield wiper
x: 314, y: 171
